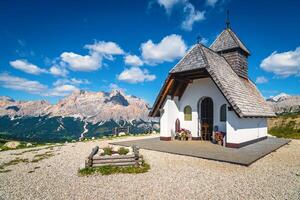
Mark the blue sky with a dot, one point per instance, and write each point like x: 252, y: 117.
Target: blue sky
x: 51, y: 48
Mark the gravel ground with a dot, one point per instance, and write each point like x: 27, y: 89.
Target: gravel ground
x: 276, y: 176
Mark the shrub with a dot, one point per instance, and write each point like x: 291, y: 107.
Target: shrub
x: 107, y: 151
x: 123, y: 151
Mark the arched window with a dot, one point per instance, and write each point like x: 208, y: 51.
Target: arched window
x: 223, y: 113
x: 187, y: 113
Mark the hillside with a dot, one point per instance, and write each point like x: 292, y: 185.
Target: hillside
x: 284, y: 103
x: 85, y: 113
x: 285, y: 125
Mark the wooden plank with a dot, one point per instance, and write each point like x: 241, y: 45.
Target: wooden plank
x: 97, y: 157
x: 117, y: 164
x: 113, y: 161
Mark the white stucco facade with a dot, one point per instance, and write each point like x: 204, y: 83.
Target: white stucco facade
x: 238, y: 130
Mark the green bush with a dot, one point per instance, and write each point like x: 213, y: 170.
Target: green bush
x: 107, y: 151
x: 123, y: 151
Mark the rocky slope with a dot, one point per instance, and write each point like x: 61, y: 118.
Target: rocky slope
x: 88, y: 113
x: 89, y: 106
x: 284, y: 103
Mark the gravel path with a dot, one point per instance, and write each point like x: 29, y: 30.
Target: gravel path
x: 276, y: 176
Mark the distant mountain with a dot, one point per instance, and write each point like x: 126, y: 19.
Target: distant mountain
x: 81, y: 113
x: 284, y: 103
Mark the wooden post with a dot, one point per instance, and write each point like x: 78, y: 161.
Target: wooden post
x: 136, y: 154
x: 89, y: 160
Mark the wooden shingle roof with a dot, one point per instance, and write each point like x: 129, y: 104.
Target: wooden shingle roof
x: 228, y: 40
x: 241, y: 93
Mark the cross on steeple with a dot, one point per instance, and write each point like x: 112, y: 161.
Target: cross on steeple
x: 227, y: 20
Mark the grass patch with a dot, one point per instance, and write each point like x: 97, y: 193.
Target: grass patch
x: 107, y: 151
x: 39, y: 157
x: 12, y: 162
x: 107, y: 170
x: 5, y: 170
x: 123, y: 151
x: 286, y: 129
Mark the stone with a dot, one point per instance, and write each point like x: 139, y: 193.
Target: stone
x: 29, y: 145
x: 12, y: 144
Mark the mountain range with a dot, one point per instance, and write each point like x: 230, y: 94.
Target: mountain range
x: 81, y: 114
x: 284, y: 103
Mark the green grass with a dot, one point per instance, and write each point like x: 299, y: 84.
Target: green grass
x: 286, y: 130
x: 123, y: 151
x: 39, y: 157
x: 12, y: 162
x: 107, y: 170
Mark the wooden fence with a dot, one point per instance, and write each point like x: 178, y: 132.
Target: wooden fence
x: 94, y: 160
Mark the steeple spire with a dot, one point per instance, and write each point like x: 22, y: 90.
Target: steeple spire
x: 227, y: 20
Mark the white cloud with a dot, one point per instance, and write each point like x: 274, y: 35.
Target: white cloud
x: 261, y: 80
x: 113, y: 86
x: 169, y: 4
x: 93, y: 60
x: 22, y: 84
x: 72, y: 81
x: 204, y: 41
x: 135, y: 75
x: 82, y: 63
x: 105, y: 48
x: 62, y: 90
x: 191, y: 16
x: 133, y: 60
x: 34, y: 87
x: 211, y: 3
x: 27, y: 67
x: 58, y: 71
x: 283, y: 64
x: 170, y: 48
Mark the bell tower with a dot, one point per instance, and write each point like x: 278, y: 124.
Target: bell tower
x: 232, y: 49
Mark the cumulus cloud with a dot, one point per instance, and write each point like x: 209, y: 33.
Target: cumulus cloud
x: 58, y: 71
x: 168, y: 49
x: 27, y: 67
x: 191, y: 16
x: 93, y: 61
x: 81, y: 63
x: 72, y: 81
x: 105, y: 48
x: 261, y: 80
x: 22, y: 84
x: 34, y: 87
x: 113, y: 86
x: 133, y: 60
x: 283, y: 64
x: 61, y: 90
x: 169, y: 4
x: 135, y: 75
x: 211, y: 3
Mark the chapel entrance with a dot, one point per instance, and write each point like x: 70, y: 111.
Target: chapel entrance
x: 206, y: 118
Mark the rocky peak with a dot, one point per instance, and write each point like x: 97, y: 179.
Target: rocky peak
x: 6, y: 98
x: 117, y: 97
x: 279, y: 97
